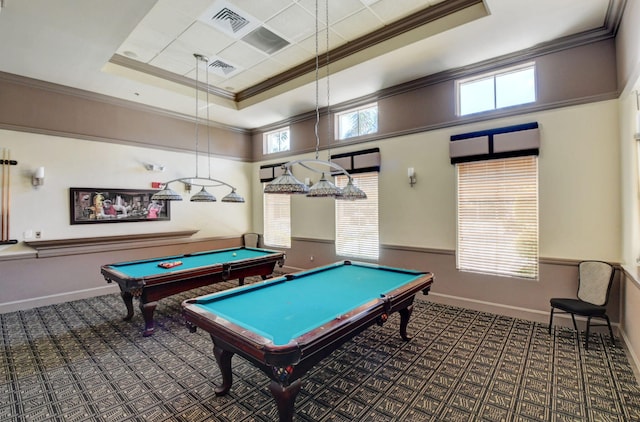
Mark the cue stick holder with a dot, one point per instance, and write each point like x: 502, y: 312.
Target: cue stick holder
x: 5, y: 186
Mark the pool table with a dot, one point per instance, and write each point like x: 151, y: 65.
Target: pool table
x: 284, y: 326
x: 149, y: 281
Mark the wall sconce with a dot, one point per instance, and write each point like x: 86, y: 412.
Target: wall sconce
x: 412, y: 176
x: 37, y: 179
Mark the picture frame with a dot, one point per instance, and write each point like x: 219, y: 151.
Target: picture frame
x: 107, y: 205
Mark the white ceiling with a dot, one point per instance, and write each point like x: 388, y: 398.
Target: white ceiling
x: 84, y: 43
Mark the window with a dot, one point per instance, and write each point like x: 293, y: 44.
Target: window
x: 498, y: 217
x: 276, y: 141
x: 357, y: 221
x: 497, y: 90
x: 277, y: 220
x: 357, y: 122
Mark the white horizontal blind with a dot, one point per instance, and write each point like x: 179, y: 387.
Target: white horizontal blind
x: 277, y: 220
x: 357, y: 221
x: 498, y: 217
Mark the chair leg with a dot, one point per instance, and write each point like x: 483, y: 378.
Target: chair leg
x: 613, y: 342
x: 575, y: 327
x: 551, y: 319
x: 586, y: 340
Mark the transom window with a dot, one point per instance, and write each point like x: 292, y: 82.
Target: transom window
x: 357, y: 122
x: 491, y: 91
x: 276, y: 141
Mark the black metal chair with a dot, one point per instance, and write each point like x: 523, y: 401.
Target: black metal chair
x: 251, y: 240
x: 594, y: 284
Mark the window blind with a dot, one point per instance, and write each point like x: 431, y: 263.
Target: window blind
x: 498, y: 217
x: 357, y: 221
x: 277, y: 220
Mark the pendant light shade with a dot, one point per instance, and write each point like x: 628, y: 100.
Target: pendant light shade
x: 203, y: 196
x: 233, y: 197
x: 286, y: 183
x: 167, y: 194
x: 351, y: 192
x: 324, y: 188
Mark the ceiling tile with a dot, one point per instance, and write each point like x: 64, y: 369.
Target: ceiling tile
x: 167, y: 61
x: 145, y: 44
x: 263, y: 10
x: 337, y: 10
x: 191, y: 8
x: 392, y: 10
x: 292, y: 55
x: 357, y: 25
x: 241, y: 81
x: 242, y: 54
x: 204, y: 39
x: 267, y: 68
x: 176, y: 52
x: 309, y: 43
x: 294, y: 23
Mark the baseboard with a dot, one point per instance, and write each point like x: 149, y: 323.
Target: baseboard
x: 633, y: 358
x: 535, y: 315
x: 35, y: 302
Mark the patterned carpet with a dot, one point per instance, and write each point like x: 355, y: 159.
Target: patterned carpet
x: 78, y: 361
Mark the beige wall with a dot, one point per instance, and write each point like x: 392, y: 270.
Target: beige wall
x: 577, y: 163
x: 72, y: 162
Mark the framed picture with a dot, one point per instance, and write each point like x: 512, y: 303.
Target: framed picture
x: 93, y: 205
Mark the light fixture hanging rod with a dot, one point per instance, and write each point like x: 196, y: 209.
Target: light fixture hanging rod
x: 306, y: 161
x: 193, y: 181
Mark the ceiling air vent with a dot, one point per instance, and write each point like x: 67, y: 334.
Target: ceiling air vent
x: 229, y: 19
x: 265, y: 40
x: 221, y: 68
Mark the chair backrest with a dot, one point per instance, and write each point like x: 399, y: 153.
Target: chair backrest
x: 251, y: 240
x: 595, y: 282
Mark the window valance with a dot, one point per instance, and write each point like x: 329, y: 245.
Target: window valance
x: 504, y: 142
x: 268, y: 172
x: 364, y: 161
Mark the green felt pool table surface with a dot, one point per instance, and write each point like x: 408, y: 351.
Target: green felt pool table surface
x: 281, y: 310
x: 149, y: 282
x: 149, y: 267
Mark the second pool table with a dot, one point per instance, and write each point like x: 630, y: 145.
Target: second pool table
x: 148, y: 281
x: 284, y: 326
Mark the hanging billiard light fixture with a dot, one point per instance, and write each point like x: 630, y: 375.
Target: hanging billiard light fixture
x: 287, y: 182
x: 203, y: 195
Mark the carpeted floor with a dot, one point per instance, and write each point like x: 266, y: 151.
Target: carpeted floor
x: 78, y: 361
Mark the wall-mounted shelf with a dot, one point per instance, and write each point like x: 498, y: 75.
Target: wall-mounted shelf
x: 58, y: 247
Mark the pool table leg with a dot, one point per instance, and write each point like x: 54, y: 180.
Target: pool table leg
x: 147, y: 310
x: 405, y: 314
x: 285, y: 397
x: 223, y: 357
x: 127, y: 297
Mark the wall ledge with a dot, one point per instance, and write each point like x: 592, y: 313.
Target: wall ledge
x: 633, y: 273
x: 77, y: 246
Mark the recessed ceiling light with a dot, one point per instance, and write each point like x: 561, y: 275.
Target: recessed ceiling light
x: 130, y: 54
